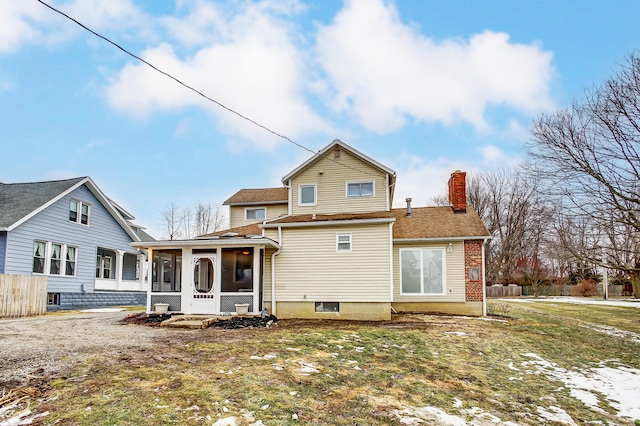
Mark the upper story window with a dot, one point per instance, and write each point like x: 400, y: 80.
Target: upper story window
x: 79, y: 212
x: 54, y: 259
x: 255, y: 214
x: 360, y: 189
x: 307, y: 195
x: 343, y: 242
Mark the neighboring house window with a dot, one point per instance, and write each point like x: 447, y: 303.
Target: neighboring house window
x: 307, y: 195
x: 360, y: 189
x: 103, y: 266
x: 48, y: 258
x: 257, y: 213
x: 39, y: 256
x: 343, y: 242
x: 79, y: 212
x: 53, y: 298
x: 422, y: 271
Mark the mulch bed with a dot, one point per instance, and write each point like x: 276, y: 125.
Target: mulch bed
x: 154, y: 320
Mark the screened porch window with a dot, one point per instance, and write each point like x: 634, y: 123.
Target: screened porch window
x: 422, y: 271
x: 166, y: 271
x: 237, y: 270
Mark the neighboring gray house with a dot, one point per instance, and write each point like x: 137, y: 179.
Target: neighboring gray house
x: 70, y: 232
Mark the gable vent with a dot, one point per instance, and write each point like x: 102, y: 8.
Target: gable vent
x: 336, y: 152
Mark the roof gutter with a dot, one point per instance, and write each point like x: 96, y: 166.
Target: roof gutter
x: 327, y: 223
x: 221, y: 242
x: 434, y: 239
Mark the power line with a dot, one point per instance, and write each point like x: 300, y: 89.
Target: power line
x: 193, y: 89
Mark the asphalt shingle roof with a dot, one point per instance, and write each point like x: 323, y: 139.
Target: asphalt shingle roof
x: 17, y: 200
x: 258, y: 196
x: 437, y: 222
x: 237, y: 232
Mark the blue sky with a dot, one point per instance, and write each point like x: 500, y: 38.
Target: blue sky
x: 424, y: 87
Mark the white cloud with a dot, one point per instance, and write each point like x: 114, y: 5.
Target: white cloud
x: 253, y: 68
x: 421, y: 180
x: 29, y: 22
x: 386, y: 72
x: 19, y: 21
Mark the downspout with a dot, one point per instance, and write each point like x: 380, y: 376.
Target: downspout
x: 273, y: 272
x: 484, y: 283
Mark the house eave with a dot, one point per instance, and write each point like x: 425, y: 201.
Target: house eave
x: 256, y: 203
x: 327, y: 223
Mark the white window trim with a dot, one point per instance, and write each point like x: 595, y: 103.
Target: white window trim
x: 79, y: 212
x: 315, y: 194
x: 338, y: 242
x: 373, y: 187
x: 246, y: 209
x: 63, y: 260
x: 444, y: 271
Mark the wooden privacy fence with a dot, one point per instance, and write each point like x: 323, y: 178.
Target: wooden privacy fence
x: 22, y: 295
x: 504, y: 291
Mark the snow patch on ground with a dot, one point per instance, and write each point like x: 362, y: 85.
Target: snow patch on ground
x: 619, y: 386
x: 612, y: 331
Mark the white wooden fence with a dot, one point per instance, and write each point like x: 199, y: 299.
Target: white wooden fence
x: 22, y: 295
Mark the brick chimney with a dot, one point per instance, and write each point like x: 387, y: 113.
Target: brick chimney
x: 458, y: 191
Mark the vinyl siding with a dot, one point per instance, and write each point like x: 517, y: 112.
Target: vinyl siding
x: 455, y: 287
x: 52, y: 224
x: 3, y: 249
x: 332, y: 189
x: 310, y: 269
x: 236, y: 214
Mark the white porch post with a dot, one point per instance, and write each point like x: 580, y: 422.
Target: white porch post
x: 141, y: 269
x: 119, y: 268
x: 149, y: 277
x: 217, y: 282
x: 256, y: 278
x: 186, y: 291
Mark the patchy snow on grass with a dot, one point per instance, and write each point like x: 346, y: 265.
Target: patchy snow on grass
x: 557, y: 415
x: 436, y: 416
x: 612, y: 331
x: 620, y: 386
x: 455, y: 333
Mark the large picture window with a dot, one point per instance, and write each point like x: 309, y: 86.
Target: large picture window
x: 54, y: 259
x: 422, y: 271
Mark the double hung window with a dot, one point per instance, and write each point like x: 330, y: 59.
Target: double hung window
x: 79, y: 212
x: 54, y: 259
x: 343, y: 242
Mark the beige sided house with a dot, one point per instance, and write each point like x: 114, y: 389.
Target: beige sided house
x: 328, y: 245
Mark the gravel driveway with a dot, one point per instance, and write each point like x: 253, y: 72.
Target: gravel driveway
x: 39, y: 348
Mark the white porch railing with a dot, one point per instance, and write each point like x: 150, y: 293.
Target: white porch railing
x: 124, y: 285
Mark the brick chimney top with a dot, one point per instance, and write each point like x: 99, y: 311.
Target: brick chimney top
x: 458, y: 191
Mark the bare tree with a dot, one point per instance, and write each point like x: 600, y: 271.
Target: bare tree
x: 588, y: 158
x: 207, y: 218
x: 172, y: 220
